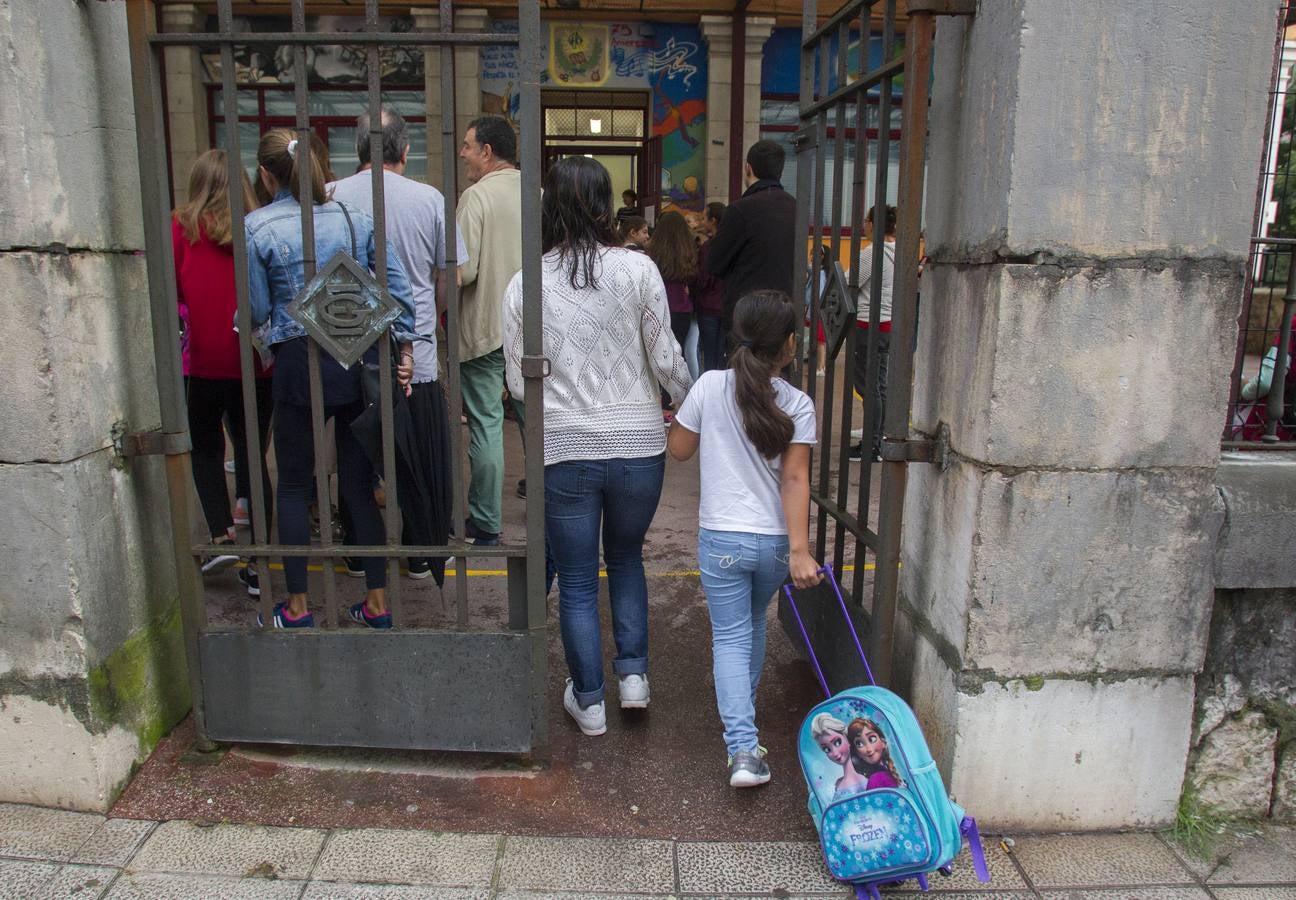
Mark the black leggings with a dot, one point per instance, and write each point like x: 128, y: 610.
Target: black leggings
x: 294, y: 443
x: 209, y: 401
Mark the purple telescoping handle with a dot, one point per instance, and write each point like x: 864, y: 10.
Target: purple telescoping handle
x: 814, y: 660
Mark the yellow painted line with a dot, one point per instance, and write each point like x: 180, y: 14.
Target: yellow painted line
x: 499, y: 573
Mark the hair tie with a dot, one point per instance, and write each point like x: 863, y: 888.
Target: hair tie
x: 292, y: 148
x: 747, y: 344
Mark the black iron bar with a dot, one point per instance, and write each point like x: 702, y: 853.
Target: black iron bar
x: 339, y: 38
x: 1278, y: 383
x: 305, y: 191
x: 238, y: 242
x: 830, y: 366
x: 314, y: 551
x: 391, y: 509
x: 857, y: 88
x: 146, y: 86
x: 913, y: 153
x: 877, y: 251
x: 845, y: 13
x: 454, y: 374
x: 859, y: 195
x: 838, y: 198
x: 533, y: 347
x: 858, y: 529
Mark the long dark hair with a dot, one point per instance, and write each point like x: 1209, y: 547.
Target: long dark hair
x: 278, y: 154
x: 576, y: 216
x: 762, y: 321
x: 673, y: 249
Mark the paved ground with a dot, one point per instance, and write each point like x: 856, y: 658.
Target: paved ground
x: 50, y: 854
x: 642, y: 811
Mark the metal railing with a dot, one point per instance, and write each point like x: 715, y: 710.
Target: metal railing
x: 1260, y: 417
x: 837, y: 94
x: 226, y: 664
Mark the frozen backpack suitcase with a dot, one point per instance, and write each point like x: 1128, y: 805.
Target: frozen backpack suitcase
x: 876, y: 797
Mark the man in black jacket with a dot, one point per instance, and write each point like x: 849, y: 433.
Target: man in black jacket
x: 756, y: 245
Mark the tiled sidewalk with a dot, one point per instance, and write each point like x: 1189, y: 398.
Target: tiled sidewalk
x: 55, y: 854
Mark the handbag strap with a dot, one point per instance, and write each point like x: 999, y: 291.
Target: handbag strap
x: 350, y: 227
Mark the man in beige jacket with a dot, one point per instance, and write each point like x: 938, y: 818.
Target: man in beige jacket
x: 490, y: 222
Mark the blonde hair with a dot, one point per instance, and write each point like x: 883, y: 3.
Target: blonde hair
x: 826, y: 723
x: 279, y: 152
x: 208, y: 208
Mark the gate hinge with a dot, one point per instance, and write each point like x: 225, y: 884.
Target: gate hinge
x: 535, y: 367
x: 928, y: 450
x: 804, y: 139
x: 152, y: 443
x: 942, y: 7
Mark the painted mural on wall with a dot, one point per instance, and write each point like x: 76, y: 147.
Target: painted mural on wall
x: 781, y: 60
x: 668, y: 60
x: 345, y: 64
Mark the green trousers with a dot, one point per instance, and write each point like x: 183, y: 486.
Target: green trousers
x: 482, y: 383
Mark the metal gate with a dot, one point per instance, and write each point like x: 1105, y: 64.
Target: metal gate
x: 838, y: 98
x: 452, y: 688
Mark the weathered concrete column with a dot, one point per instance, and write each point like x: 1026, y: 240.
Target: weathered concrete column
x: 92, y: 669
x: 185, y: 96
x: 1090, y: 190
x: 718, y: 32
x: 759, y: 29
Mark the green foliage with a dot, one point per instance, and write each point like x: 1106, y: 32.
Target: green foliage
x: 1197, y: 826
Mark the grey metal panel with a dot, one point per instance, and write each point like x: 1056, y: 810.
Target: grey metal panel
x: 400, y: 690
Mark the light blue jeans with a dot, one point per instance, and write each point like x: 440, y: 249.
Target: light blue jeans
x: 741, y: 572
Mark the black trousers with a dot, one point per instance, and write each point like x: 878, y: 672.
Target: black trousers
x: 876, y: 402
x: 210, y: 401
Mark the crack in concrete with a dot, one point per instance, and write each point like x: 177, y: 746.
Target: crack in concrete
x: 1011, y: 470
x: 57, y: 248
x: 1154, y: 260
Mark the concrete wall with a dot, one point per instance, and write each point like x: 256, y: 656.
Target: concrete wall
x: 91, y: 666
x: 1088, y: 209
x: 1243, y: 752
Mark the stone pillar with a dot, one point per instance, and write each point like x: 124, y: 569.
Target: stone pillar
x: 759, y: 29
x: 92, y: 668
x: 718, y: 32
x: 467, y: 84
x: 1090, y: 192
x: 186, y: 96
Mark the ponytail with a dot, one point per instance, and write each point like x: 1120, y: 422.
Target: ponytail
x: 281, y: 154
x: 762, y: 322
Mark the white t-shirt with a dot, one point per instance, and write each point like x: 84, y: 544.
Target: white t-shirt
x: 740, y: 488
x: 865, y: 296
x: 416, y: 229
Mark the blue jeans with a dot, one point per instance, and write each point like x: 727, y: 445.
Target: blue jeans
x: 619, y: 498
x: 740, y: 573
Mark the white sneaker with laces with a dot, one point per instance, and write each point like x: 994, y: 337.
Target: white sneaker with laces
x: 634, y: 691
x: 592, y: 720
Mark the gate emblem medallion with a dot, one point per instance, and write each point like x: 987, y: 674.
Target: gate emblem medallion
x: 344, y: 309
x: 836, y: 307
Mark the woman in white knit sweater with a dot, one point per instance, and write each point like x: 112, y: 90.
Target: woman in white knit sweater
x: 608, y: 339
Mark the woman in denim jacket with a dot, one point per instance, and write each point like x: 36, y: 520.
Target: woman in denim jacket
x: 275, y: 276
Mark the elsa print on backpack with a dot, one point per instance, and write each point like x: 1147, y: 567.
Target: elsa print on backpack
x: 875, y: 794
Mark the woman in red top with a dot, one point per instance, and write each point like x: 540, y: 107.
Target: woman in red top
x: 204, y: 265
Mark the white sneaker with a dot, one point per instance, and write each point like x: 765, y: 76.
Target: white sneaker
x: 634, y: 692
x: 592, y: 720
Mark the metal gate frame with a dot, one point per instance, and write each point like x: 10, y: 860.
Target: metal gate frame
x: 818, y: 102
x: 409, y: 688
